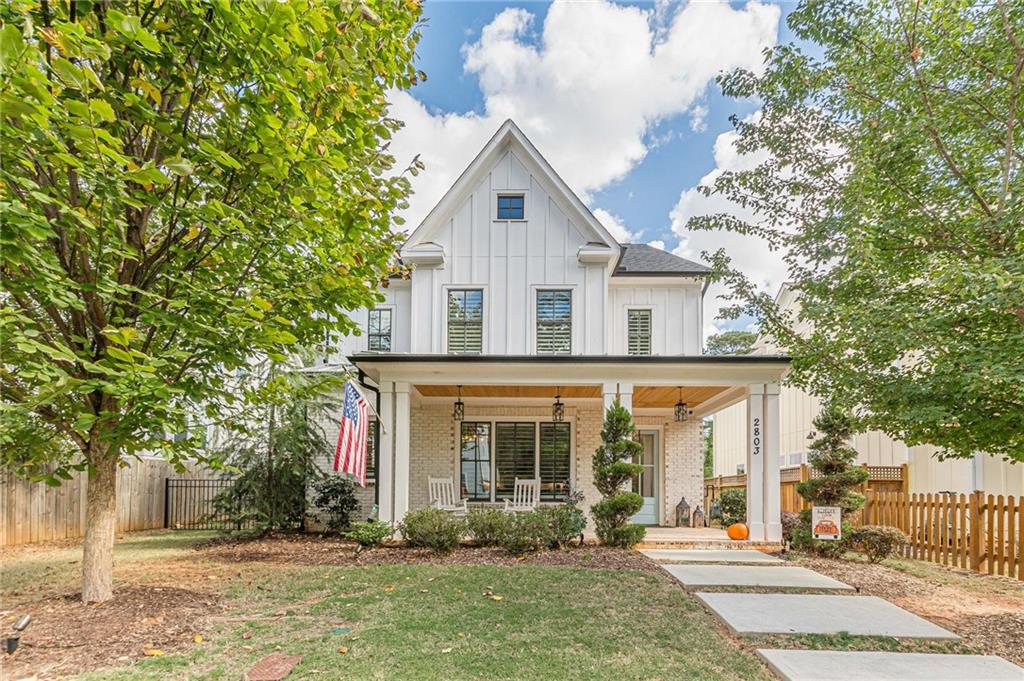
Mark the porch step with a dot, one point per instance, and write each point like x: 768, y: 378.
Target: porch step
x: 711, y: 544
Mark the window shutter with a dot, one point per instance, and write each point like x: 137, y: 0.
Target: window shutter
x: 514, y: 452
x: 465, y: 321
x: 554, y: 322
x: 554, y: 461
x: 639, y: 332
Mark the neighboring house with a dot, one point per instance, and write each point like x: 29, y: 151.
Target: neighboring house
x: 521, y: 321
x: 797, y: 411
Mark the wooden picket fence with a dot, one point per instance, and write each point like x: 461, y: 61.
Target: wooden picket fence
x: 980, y: 532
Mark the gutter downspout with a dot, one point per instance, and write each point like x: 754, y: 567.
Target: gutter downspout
x: 376, y: 438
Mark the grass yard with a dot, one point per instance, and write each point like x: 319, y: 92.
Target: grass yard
x: 421, y: 620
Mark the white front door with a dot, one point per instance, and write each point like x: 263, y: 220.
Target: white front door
x: 646, y: 484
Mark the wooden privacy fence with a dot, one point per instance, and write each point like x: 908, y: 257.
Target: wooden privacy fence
x: 34, y: 512
x: 880, y: 479
x: 981, y: 532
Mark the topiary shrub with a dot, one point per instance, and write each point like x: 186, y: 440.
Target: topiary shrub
x: 369, y: 532
x: 878, y: 542
x: 836, y: 477
x: 487, y: 526
x: 335, y: 499
x: 613, y: 468
x: 432, y: 528
x: 732, y: 506
x: 526, y: 532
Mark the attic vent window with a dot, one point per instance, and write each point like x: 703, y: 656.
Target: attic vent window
x: 511, y: 207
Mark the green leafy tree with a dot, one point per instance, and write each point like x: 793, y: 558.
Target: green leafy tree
x: 188, y: 187
x: 731, y: 343
x: 891, y: 180
x: 832, y: 459
x: 613, y: 468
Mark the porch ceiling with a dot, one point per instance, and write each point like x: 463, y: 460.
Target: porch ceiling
x: 644, y: 396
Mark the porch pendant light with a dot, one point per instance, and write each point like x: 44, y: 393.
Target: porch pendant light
x: 558, y: 408
x: 459, y: 410
x: 681, y: 411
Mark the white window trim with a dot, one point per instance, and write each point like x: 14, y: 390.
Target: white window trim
x: 391, y: 307
x: 625, y: 320
x: 536, y: 421
x: 574, y: 319
x: 485, y: 320
x: 495, y: 193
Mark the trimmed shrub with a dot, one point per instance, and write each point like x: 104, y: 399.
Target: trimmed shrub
x: 487, y: 526
x: 732, y: 506
x: 335, y: 498
x: 790, y: 521
x: 612, y: 514
x: 613, y: 468
x: 565, y: 522
x: 878, y: 542
x: 526, y: 532
x: 369, y: 532
x: 432, y: 528
x: 625, y: 537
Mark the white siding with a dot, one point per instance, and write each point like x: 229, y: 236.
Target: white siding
x: 675, y: 317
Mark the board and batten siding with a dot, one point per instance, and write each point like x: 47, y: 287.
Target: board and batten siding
x: 510, y: 260
x: 927, y: 472
x: 675, y: 317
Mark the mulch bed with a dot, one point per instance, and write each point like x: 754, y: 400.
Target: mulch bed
x: 307, y: 549
x: 68, y: 637
x: 989, y: 620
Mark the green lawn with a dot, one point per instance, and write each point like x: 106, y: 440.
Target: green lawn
x: 423, y: 621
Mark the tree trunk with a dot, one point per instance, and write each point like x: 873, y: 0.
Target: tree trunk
x: 100, y: 525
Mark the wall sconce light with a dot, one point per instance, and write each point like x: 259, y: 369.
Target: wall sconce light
x: 459, y: 409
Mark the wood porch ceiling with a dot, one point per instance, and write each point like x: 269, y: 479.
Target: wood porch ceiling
x: 644, y: 397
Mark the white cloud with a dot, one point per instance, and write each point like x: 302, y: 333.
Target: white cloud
x: 698, y: 118
x: 750, y: 254
x: 615, y: 226
x: 657, y: 243
x: 589, y: 93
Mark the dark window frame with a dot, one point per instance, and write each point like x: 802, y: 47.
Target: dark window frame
x: 374, y: 335
x: 511, y: 207
x: 545, y: 438
x: 551, y: 319
x: 461, y: 320
x: 484, y: 467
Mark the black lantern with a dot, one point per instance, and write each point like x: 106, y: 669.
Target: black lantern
x: 681, y: 411
x: 558, y: 408
x: 459, y: 410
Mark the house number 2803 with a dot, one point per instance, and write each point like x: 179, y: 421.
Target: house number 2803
x: 755, y: 435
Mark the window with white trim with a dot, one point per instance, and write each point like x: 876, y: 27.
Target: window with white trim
x: 638, y: 328
x: 379, y: 330
x: 554, y: 322
x: 465, y: 321
x: 493, y: 455
x: 511, y: 207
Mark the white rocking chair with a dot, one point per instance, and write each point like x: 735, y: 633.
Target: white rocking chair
x: 525, y: 496
x: 442, y: 496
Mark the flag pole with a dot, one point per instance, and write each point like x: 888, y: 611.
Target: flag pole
x: 369, y: 403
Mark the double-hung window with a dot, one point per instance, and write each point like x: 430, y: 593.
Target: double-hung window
x: 379, y: 330
x: 493, y: 455
x: 554, y: 322
x: 639, y: 332
x: 465, y: 320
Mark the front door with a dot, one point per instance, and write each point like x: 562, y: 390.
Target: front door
x: 646, y: 484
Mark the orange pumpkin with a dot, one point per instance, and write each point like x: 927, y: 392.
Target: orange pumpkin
x: 737, y: 531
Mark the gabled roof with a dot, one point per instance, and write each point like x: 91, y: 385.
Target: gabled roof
x: 509, y: 136
x: 641, y: 260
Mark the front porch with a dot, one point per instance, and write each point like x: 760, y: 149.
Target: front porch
x: 509, y: 428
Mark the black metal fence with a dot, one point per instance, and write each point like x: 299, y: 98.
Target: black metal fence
x: 188, y: 504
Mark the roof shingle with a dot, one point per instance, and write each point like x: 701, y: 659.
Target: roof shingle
x: 641, y: 260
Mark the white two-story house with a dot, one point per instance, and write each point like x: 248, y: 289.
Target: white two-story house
x: 521, y: 321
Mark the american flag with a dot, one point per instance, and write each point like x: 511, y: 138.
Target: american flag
x: 350, y: 455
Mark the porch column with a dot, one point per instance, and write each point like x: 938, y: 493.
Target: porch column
x: 386, y: 471
x: 755, y: 461
x: 622, y: 391
x: 772, y: 475
x: 401, y: 451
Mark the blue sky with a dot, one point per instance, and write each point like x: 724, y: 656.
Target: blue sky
x: 634, y: 142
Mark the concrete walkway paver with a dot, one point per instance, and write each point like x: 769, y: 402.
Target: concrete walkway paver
x: 748, y: 613
x: 753, y: 576
x: 709, y: 556
x: 834, y: 665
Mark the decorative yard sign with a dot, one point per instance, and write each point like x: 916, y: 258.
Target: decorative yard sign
x: 826, y: 523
